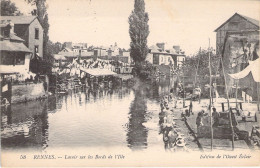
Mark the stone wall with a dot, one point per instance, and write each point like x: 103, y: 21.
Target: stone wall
x: 27, y: 92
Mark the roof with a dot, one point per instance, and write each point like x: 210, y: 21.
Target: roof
x: 19, y: 19
x: 173, y: 51
x: 67, y: 49
x: 75, y: 54
x: 15, y: 38
x: 4, y: 24
x: 13, y: 46
x: 98, y: 72
x: 251, y: 20
x: 154, y: 48
x: 59, y: 57
x: 254, y: 21
x: 12, y: 36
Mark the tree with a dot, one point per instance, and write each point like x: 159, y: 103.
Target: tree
x: 190, y: 66
x: 9, y: 9
x: 138, y: 31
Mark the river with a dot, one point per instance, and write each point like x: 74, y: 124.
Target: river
x: 121, y: 117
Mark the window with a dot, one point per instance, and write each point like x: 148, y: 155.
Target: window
x: 20, y: 58
x: 95, y: 52
x: 11, y: 58
x: 36, y: 50
x: 36, y: 33
x: 7, y: 58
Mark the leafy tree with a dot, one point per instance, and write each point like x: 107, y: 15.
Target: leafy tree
x: 9, y: 9
x: 190, y: 66
x: 138, y: 31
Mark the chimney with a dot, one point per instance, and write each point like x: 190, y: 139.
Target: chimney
x: 11, y: 25
x: 177, y: 49
x: 160, y: 45
x: 34, y: 12
x: 68, y: 45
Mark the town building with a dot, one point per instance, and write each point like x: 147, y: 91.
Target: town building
x: 158, y: 55
x: 235, y: 23
x: 14, y: 60
x: 30, y: 30
x: 238, y: 43
x: 113, y: 52
x: 15, y: 56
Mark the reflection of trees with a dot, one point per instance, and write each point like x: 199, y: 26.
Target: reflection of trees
x: 52, y: 103
x: 42, y: 126
x: 137, y: 133
x: 161, y: 87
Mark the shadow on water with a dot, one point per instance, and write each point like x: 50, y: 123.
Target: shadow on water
x: 137, y: 133
x: 25, y: 125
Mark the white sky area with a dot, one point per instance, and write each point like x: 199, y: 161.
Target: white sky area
x: 188, y: 23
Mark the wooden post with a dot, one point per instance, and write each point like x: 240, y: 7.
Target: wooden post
x: 210, y: 100
x: 227, y: 95
x: 258, y: 108
x: 236, y: 94
x: 215, y: 87
x: 240, y: 104
x: 183, y: 90
x: 195, y: 80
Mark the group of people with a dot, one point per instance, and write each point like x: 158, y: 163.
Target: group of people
x: 172, y: 137
x: 215, y: 118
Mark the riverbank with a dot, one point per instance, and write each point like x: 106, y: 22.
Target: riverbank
x: 28, y: 92
x: 220, y: 144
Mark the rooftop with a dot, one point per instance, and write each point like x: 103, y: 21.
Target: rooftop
x: 19, y: 19
x: 172, y: 51
x: 6, y: 45
x: 251, y: 20
x: 75, y: 54
x: 15, y: 38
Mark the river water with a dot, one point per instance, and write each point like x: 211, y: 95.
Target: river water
x: 121, y: 117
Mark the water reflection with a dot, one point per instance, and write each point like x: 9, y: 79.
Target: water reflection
x: 25, y: 125
x: 94, y: 117
x: 137, y: 132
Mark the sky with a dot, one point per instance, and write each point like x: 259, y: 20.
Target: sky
x: 187, y: 23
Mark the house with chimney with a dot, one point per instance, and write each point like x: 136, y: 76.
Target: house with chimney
x: 21, y: 42
x: 15, y: 56
x: 158, y: 55
x: 30, y: 30
x: 14, y: 60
